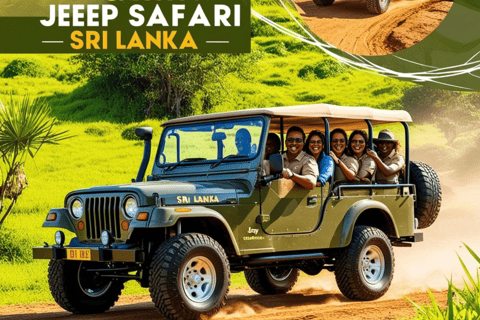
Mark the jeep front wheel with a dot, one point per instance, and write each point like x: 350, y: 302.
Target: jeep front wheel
x: 80, y: 291
x: 272, y: 280
x: 364, y: 270
x: 189, y: 277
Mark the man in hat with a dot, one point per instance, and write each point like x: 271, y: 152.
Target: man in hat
x: 390, y: 163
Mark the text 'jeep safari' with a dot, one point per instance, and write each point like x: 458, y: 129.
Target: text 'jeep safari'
x: 208, y: 209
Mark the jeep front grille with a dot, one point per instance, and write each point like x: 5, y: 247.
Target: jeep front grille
x: 102, y: 213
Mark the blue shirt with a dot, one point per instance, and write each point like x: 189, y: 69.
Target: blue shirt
x: 325, y: 168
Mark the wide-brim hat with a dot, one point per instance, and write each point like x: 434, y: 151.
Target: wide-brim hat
x: 385, y: 135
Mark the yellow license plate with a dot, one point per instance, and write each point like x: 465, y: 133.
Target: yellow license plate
x: 79, y: 254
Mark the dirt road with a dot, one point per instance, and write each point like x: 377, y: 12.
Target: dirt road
x: 303, y: 303
x: 348, y: 25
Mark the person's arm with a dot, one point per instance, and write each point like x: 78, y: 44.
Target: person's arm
x: 349, y: 173
x: 325, y: 168
x: 306, y: 181
x: 386, y: 170
x: 366, y: 170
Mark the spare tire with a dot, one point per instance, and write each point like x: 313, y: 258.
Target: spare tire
x: 429, y: 193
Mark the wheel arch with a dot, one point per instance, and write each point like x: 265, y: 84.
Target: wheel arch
x: 198, y: 220
x: 214, y: 228
x: 369, y: 213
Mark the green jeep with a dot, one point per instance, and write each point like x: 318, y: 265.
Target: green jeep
x: 207, y: 210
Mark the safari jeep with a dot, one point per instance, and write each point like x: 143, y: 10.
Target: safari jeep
x: 373, y: 6
x: 207, y: 210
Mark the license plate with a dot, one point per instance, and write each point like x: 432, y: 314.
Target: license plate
x: 79, y: 254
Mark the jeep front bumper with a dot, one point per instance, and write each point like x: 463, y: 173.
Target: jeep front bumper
x: 89, y: 254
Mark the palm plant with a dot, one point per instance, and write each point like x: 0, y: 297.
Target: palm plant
x: 25, y: 126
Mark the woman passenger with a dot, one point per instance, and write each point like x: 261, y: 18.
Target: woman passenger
x: 314, y: 146
x: 346, y: 167
x: 357, y: 148
x: 272, y: 146
x: 390, y: 163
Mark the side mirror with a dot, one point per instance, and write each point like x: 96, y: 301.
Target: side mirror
x: 276, y: 163
x: 219, y: 136
x: 144, y: 133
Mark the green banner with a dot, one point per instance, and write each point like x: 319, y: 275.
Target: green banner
x: 179, y: 26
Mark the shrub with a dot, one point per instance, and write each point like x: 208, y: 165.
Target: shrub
x: 129, y: 132
x: 13, y: 248
x: 24, y: 67
x: 329, y: 68
x: 97, y: 130
x: 278, y: 49
x: 261, y: 29
x: 276, y: 82
x: 306, y: 72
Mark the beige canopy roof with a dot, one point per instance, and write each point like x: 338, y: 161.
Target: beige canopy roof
x: 309, y: 117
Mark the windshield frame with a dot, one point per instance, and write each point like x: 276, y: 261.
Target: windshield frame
x: 264, y: 121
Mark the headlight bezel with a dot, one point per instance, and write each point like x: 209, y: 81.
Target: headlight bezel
x: 124, y: 207
x: 71, y: 209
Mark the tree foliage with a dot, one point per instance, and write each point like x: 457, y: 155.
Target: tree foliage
x: 25, y: 127
x: 166, y: 83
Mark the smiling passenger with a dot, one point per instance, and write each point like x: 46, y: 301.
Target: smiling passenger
x: 357, y: 145
x: 315, y: 147
x: 299, y: 166
x: 390, y: 163
x: 346, y: 167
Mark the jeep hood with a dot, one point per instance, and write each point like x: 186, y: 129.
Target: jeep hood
x: 172, y: 192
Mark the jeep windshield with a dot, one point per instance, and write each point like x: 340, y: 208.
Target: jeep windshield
x: 201, y: 143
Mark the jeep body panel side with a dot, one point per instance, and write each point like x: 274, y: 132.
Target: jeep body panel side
x: 337, y: 218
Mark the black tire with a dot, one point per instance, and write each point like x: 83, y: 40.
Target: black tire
x: 323, y: 3
x: 357, y: 280
x: 272, y: 280
x: 429, y: 193
x: 377, y: 6
x: 174, y: 265
x: 76, y: 292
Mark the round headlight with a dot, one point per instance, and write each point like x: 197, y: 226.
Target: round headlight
x: 131, y: 208
x: 59, y: 238
x: 77, y: 209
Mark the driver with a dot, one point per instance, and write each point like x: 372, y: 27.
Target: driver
x: 243, y: 141
x: 299, y: 166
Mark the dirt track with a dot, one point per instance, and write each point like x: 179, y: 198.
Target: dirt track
x: 348, y: 25
x: 302, y: 303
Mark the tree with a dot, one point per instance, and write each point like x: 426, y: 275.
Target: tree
x: 166, y: 80
x: 25, y: 126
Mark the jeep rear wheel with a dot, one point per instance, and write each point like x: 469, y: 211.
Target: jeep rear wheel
x: 429, y: 193
x: 323, y: 3
x: 272, y: 280
x: 377, y: 6
x: 364, y: 270
x: 189, y: 277
x: 80, y: 291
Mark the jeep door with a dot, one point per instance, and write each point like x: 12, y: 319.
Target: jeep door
x: 287, y: 207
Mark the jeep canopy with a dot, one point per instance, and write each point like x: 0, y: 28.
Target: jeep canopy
x: 309, y: 117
